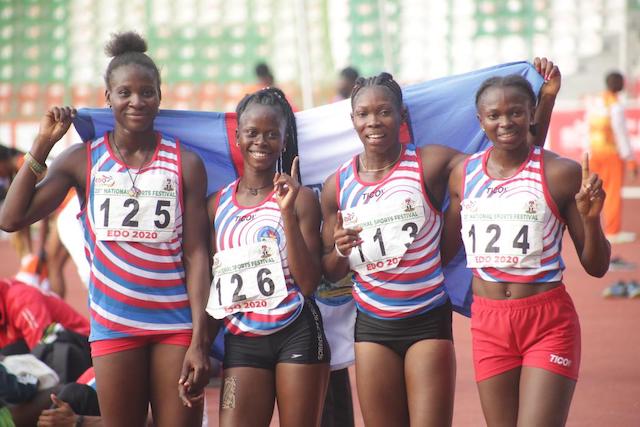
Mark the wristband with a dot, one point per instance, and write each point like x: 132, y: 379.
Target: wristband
x: 36, y: 167
x: 340, y: 254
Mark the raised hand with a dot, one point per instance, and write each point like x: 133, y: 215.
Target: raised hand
x: 55, y: 124
x: 551, y: 74
x: 286, y: 187
x: 590, y: 198
x: 345, y: 238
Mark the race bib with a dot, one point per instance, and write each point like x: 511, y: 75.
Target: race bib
x: 247, y: 278
x: 503, y: 232
x: 121, y: 214
x: 388, y: 229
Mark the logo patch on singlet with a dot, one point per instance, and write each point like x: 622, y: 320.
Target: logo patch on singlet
x: 269, y: 232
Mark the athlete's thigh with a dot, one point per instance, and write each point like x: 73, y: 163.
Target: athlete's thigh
x: 122, y: 382
x: 430, y: 375
x: 381, y: 385
x: 166, y: 405
x: 300, y: 391
x: 545, y: 398
x: 499, y: 398
x: 247, y: 397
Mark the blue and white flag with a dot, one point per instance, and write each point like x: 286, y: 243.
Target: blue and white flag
x: 441, y: 111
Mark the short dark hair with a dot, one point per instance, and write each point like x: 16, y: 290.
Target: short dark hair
x: 263, y: 70
x: 512, y: 80
x: 349, y: 73
x: 614, y: 81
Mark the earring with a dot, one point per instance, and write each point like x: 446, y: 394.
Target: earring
x: 482, y: 129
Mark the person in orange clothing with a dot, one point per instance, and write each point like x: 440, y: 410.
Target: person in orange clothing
x: 611, y: 151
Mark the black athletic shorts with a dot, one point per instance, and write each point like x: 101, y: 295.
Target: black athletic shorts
x: 303, y: 341
x: 400, y: 334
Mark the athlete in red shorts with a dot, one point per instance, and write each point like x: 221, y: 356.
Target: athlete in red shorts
x: 510, y: 205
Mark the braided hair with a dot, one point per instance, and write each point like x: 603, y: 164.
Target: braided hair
x: 274, y: 97
x: 382, y: 79
x: 129, y: 48
x: 513, y: 80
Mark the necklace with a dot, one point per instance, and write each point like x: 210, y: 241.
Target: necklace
x: 254, y: 190
x: 133, y: 191
x: 366, y: 169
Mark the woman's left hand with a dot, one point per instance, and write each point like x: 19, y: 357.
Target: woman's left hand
x: 590, y: 198
x: 551, y: 75
x: 286, y: 187
x: 194, y: 376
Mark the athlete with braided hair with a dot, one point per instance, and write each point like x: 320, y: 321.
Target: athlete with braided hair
x: 510, y: 205
x: 266, y: 260
x: 382, y: 221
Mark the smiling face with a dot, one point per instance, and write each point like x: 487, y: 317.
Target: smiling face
x: 377, y: 118
x: 260, y: 135
x: 505, y: 113
x: 134, y: 97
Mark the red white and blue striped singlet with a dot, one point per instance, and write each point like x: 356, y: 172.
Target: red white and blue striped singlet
x: 416, y: 285
x: 236, y: 225
x: 135, y: 288
x: 528, y: 183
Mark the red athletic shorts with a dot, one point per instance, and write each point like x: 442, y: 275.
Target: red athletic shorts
x: 541, y: 331
x: 114, y: 345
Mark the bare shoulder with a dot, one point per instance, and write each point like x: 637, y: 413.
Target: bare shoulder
x: 193, y: 170
x: 72, y: 162
x: 455, y: 178
x: 189, y: 158
x: 74, y: 153
x: 559, y: 168
x: 563, y: 176
x: 440, y: 158
x: 330, y: 181
x: 212, y: 202
x: 307, y: 200
x: 328, y: 194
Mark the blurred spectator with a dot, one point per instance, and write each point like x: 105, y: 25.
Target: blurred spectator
x: 611, y: 151
x: 346, y: 81
x: 264, y: 75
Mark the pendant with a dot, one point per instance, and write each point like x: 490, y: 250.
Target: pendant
x: 253, y: 191
x: 134, y: 191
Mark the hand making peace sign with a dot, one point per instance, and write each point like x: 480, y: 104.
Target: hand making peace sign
x: 591, y: 196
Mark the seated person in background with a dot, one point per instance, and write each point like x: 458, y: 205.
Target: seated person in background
x: 26, y: 312
x: 45, y: 325
x: 75, y: 405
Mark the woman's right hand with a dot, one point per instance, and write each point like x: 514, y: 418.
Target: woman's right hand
x: 551, y: 75
x: 55, y: 124
x: 345, y: 238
